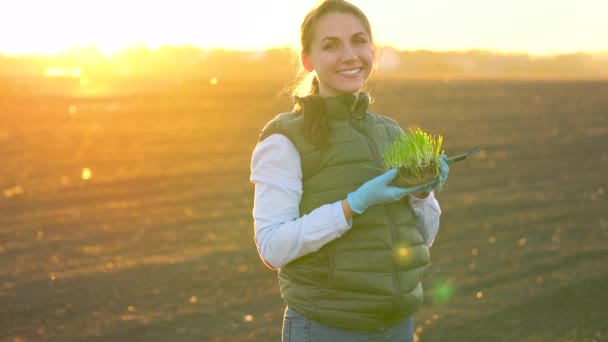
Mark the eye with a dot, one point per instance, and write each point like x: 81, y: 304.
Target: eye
x: 330, y: 46
x: 359, y: 41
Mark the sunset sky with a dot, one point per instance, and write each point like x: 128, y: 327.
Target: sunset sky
x: 533, y: 26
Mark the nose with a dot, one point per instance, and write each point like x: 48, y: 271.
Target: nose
x: 348, y: 53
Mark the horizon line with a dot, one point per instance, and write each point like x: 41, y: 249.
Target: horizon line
x: 135, y: 47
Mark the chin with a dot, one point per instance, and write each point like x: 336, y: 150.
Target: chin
x: 351, y: 91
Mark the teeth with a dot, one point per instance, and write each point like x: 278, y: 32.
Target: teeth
x: 350, y: 72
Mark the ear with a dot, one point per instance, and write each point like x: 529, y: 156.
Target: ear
x: 306, y: 64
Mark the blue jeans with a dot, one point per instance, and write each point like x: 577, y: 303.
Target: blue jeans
x: 297, y: 328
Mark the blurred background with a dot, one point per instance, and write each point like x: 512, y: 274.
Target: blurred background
x: 126, y: 133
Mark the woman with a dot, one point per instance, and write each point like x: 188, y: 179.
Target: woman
x: 350, y: 249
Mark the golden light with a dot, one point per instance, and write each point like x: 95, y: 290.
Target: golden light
x: 131, y: 308
x: 474, y: 251
x: 72, y: 25
x: 479, y: 295
x: 62, y: 71
x: 14, y: 191
x: 69, y: 23
x: 248, y: 318
x: 72, y: 109
x: 52, y: 276
x: 193, y: 299
x: 213, y: 81
x: 86, y: 174
x: 402, y: 254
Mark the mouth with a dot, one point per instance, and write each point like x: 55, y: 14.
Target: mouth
x: 350, y: 71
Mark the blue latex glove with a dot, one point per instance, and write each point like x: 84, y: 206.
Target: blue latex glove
x: 444, y: 170
x: 378, y: 191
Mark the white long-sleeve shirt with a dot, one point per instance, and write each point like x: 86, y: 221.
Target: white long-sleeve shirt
x: 281, y: 234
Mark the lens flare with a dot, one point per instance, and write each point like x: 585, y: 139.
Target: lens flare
x: 86, y: 174
x: 62, y: 71
x: 443, y: 291
x: 402, y: 254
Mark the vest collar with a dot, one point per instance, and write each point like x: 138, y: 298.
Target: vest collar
x: 341, y: 107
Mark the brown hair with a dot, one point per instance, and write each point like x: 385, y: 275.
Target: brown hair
x: 316, y: 128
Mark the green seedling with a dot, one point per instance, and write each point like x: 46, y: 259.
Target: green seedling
x: 415, y: 154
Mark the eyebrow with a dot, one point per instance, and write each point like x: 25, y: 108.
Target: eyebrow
x: 331, y: 38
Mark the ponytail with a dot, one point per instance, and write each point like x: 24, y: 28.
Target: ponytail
x: 314, y: 85
x: 315, y: 123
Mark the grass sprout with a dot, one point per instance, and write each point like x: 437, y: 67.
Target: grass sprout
x: 415, y: 154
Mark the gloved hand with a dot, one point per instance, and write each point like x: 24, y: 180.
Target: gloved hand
x: 378, y: 191
x: 444, y: 170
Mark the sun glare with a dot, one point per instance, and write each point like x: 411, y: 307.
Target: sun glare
x: 74, y: 72
x: 112, y: 25
x: 60, y: 71
x: 86, y: 174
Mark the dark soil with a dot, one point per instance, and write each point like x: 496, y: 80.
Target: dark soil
x: 406, y: 178
x: 128, y: 217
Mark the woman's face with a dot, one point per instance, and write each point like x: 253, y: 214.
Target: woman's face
x: 341, y: 53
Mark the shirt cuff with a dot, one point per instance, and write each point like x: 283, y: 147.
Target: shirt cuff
x: 417, y: 202
x: 341, y: 224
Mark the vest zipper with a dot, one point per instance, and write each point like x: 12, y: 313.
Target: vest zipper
x: 375, y: 153
x: 395, y: 269
x: 380, y: 163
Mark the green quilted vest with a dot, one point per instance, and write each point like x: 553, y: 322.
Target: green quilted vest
x: 369, y: 278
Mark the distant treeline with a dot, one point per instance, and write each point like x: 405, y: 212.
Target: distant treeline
x: 180, y: 63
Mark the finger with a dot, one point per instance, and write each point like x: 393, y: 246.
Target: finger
x: 388, y: 176
x: 397, y: 193
x: 443, y: 165
x: 421, y: 187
